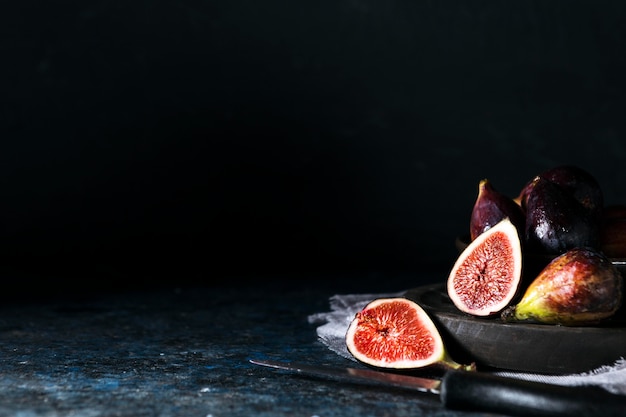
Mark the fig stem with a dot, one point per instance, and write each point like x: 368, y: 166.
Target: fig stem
x: 448, y: 363
x: 508, y: 314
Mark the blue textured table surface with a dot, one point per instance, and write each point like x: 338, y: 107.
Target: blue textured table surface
x: 180, y: 353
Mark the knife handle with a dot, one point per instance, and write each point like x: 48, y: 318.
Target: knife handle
x: 465, y: 390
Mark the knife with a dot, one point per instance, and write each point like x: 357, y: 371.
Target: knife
x: 478, y: 391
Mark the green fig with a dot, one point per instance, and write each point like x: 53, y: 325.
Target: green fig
x: 490, y: 207
x: 579, y: 287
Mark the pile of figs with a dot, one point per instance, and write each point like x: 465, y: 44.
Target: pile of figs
x: 545, y: 255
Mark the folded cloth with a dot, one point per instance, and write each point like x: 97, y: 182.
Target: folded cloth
x: 334, y: 324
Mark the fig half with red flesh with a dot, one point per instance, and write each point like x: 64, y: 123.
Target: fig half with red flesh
x: 487, y: 274
x: 397, y: 333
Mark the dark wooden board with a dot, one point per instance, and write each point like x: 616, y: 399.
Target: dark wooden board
x: 539, y: 348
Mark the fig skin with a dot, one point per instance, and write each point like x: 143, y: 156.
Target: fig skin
x: 397, y: 333
x: 579, y: 287
x: 574, y: 180
x: 583, y: 186
x: 556, y: 221
x: 487, y: 274
x: 490, y: 207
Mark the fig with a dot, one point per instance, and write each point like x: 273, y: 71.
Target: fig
x: 490, y: 207
x: 578, y: 182
x: 397, y: 333
x: 556, y: 221
x: 573, y: 180
x: 486, y: 276
x: 578, y: 287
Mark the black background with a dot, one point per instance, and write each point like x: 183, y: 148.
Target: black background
x: 185, y: 142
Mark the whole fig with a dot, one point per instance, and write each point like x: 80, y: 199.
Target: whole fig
x: 556, y: 221
x: 583, y: 186
x: 574, y: 180
x: 490, y: 207
x: 579, y: 287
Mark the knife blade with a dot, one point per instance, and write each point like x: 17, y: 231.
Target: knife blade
x: 479, y: 391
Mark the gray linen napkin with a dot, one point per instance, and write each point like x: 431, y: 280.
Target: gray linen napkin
x: 334, y: 324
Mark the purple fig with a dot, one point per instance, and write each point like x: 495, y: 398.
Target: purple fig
x: 579, y: 287
x: 574, y: 180
x: 580, y: 183
x: 490, y: 207
x: 556, y: 221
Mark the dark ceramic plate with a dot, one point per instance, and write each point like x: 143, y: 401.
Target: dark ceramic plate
x: 538, y: 348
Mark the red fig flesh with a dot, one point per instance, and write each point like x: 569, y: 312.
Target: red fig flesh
x: 487, y: 274
x: 397, y: 333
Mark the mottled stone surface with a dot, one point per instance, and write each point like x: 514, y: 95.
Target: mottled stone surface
x: 179, y: 353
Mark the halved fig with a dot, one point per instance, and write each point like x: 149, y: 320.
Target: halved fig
x: 397, y: 333
x: 487, y: 275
